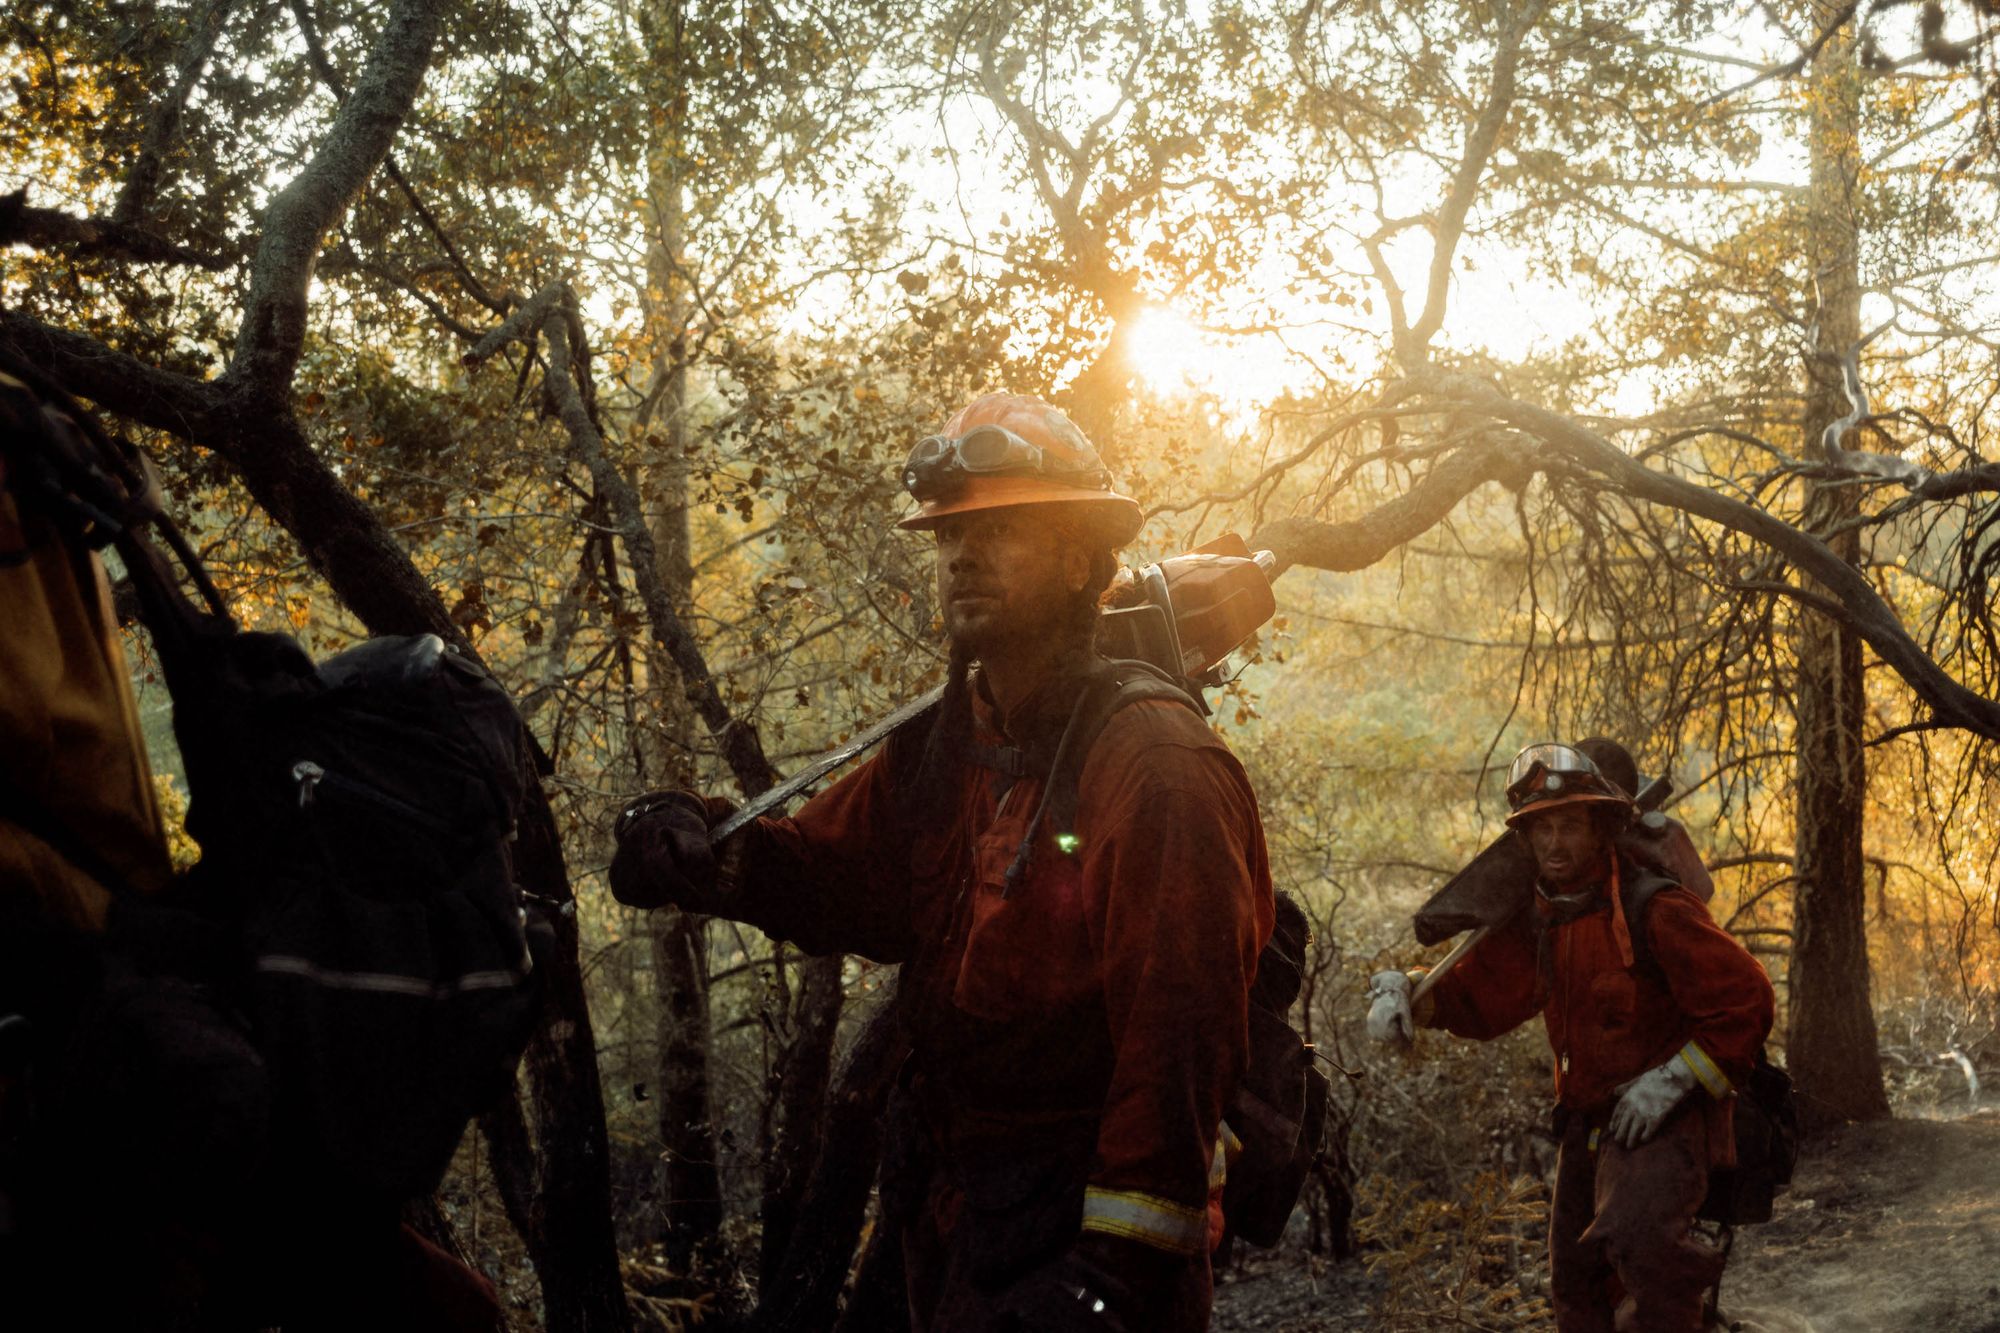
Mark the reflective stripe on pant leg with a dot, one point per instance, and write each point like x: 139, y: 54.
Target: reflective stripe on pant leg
x: 1146, y: 1218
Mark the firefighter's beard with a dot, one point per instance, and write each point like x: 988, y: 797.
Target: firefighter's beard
x: 1014, y: 624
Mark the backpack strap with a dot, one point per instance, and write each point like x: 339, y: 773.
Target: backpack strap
x: 1109, y: 686
x: 903, y: 749
x: 1115, y: 685
x: 1010, y: 761
x: 1637, y: 886
x: 98, y: 489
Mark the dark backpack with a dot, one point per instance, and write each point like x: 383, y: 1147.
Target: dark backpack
x: 354, y: 818
x: 1767, y: 1150
x: 243, y: 1074
x: 1279, y: 1111
x: 1766, y: 1114
x: 355, y: 898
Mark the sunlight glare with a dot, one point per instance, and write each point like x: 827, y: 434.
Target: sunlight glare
x: 1175, y: 356
x: 1169, y: 352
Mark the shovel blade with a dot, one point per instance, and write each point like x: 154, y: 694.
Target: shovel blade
x: 1488, y: 892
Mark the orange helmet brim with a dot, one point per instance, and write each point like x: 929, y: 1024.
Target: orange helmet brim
x: 1115, y: 518
x: 1528, y: 812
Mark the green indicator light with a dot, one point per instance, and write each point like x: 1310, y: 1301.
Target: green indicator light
x: 1067, y: 843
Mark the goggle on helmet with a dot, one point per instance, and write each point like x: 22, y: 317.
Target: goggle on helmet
x: 1007, y: 450
x: 1550, y: 774
x: 939, y: 466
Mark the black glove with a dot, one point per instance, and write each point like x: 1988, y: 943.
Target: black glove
x: 663, y: 853
x: 1101, y: 1285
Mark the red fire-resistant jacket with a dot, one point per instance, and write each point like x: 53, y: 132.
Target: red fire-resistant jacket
x: 1110, y: 986
x: 1609, y: 1018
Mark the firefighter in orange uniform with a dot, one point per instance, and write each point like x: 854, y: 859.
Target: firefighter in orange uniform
x: 1652, y: 1020
x: 1076, y: 999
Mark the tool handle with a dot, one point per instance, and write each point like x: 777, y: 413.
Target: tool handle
x: 853, y: 748
x: 1447, y: 963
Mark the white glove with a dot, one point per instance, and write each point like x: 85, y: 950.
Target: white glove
x: 1389, y: 1014
x: 1645, y: 1102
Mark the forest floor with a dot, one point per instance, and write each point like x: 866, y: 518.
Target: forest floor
x: 1892, y: 1227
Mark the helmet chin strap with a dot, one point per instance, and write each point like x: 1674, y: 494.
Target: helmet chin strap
x: 1566, y: 907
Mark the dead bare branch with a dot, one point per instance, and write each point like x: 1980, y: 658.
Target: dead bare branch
x: 1479, y: 145
x: 741, y: 748
x: 1858, y: 604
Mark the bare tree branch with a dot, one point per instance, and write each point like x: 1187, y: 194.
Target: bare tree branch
x: 741, y: 748
x: 204, y: 30
x: 1479, y: 145
x: 274, y: 323
x: 1796, y: 64
x: 1965, y: 481
x: 522, y: 325
x: 177, y: 404
x: 323, y: 67
x: 1359, y: 543
x: 49, y: 228
x: 1860, y: 606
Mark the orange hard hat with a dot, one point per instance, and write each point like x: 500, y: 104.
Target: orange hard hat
x: 1008, y: 449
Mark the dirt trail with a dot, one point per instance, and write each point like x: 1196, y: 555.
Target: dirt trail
x: 1889, y: 1228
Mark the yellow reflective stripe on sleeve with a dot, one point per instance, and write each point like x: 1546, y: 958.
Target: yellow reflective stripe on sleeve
x: 1705, y: 1069
x: 1146, y: 1218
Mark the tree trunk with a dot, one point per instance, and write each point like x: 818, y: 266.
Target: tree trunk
x: 798, y: 1119
x: 1832, y: 1048
x: 800, y: 1293
x: 691, y: 1184
x: 573, y: 1244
